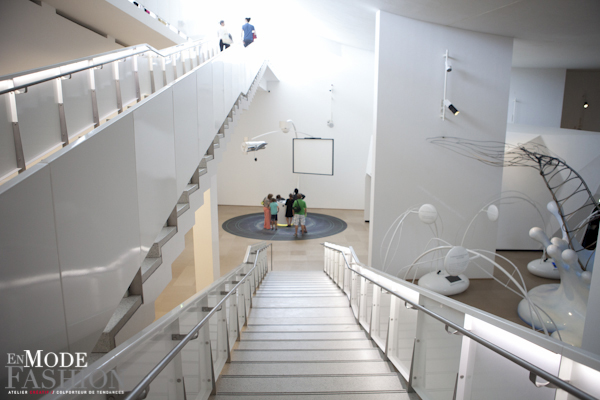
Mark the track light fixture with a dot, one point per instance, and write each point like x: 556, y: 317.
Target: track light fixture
x: 445, y: 101
x: 586, y: 105
x: 451, y: 107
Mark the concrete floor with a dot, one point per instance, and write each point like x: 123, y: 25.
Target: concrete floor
x: 304, y: 255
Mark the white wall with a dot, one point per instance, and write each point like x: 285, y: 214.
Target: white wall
x: 408, y: 171
x: 579, y: 149
x: 36, y: 36
x: 305, y: 68
x: 539, y: 96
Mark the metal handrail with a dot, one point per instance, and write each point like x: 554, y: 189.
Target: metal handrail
x: 175, y: 49
x: 141, y: 390
x: 553, y: 379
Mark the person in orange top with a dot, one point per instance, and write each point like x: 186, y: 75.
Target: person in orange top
x: 266, y: 203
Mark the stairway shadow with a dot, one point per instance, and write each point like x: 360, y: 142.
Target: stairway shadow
x: 303, y: 342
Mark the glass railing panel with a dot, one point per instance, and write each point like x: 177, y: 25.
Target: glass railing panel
x: 581, y: 376
x: 144, y: 76
x: 169, y: 72
x: 437, y: 353
x: 134, y: 366
x: 197, y: 373
x: 486, y: 373
x: 213, y: 299
x: 403, y: 329
x: 232, y: 319
x: 383, y: 317
x: 355, y: 293
x: 8, y: 159
x: 77, y: 97
x: 366, y: 304
x: 127, y: 79
x: 189, y: 65
x: 39, y: 124
x: 179, y: 64
x: 158, y: 73
x: 106, y: 91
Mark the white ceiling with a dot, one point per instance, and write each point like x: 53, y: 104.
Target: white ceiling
x: 548, y: 33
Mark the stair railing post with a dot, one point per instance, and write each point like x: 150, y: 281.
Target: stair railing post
x: 136, y: 79
x: 19, y: 154
x: 118, y: 86
x: 64, y: 136
x: 95, y: 113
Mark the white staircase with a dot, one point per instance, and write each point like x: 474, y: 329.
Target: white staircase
x: 302, y: 341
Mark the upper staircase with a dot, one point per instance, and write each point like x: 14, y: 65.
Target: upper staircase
x: 103, y: 163
x: 302, y: 340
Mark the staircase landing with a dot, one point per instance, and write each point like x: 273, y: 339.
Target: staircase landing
x: 303, y: 342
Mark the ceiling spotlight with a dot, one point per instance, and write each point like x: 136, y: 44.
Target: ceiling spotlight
x: 586, y: 105
x: 452, y: 109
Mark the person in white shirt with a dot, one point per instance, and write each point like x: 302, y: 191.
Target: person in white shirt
x: 225, y: 39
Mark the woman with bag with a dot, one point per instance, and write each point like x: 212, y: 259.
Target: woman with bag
x: 225, y: 39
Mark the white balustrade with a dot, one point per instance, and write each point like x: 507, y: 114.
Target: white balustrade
x: 441, y: 363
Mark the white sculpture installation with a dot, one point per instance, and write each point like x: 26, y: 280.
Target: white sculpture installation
x: 545, y: 266
x: 564, y: 304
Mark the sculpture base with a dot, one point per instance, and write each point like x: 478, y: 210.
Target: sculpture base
x: 544, y: 268
x: 441, y: 282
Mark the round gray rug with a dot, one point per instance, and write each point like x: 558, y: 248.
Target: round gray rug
x: 252, y: 226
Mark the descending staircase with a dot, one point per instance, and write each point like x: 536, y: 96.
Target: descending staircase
x: 302, y: 341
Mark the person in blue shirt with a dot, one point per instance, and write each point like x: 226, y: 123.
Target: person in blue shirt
x: 274, y: 210
x: 248, y: 32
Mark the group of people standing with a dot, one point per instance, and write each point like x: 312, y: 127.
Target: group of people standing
x: 225, y: 38
x: 295, y: 211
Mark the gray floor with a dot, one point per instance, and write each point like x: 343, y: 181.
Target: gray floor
x: 302, y: 342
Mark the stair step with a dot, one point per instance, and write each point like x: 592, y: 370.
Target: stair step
x: 304, y: 328
x: 305, y: 345
x: 308, y: 368
x: 306, y: 355
x: 181, y: 208
x: 309, y: 384
x: 302, y: 295
x: 287, y: 302
x: 322, y: 292
x: 400, y: 395
x: 301, y: 321
x: 209, y: 157
x: 165, y: 234
x: 202, y: 171
x: 279, y: 302
x: 301, y: 312
x: 189, y: 189
x: 149, y: 265
x: 340, y: 335
x: 127, y: 306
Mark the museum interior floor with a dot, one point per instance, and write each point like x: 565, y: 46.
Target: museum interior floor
x: 485, y: 294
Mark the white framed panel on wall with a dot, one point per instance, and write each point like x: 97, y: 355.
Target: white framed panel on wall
x: 312, y: 156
